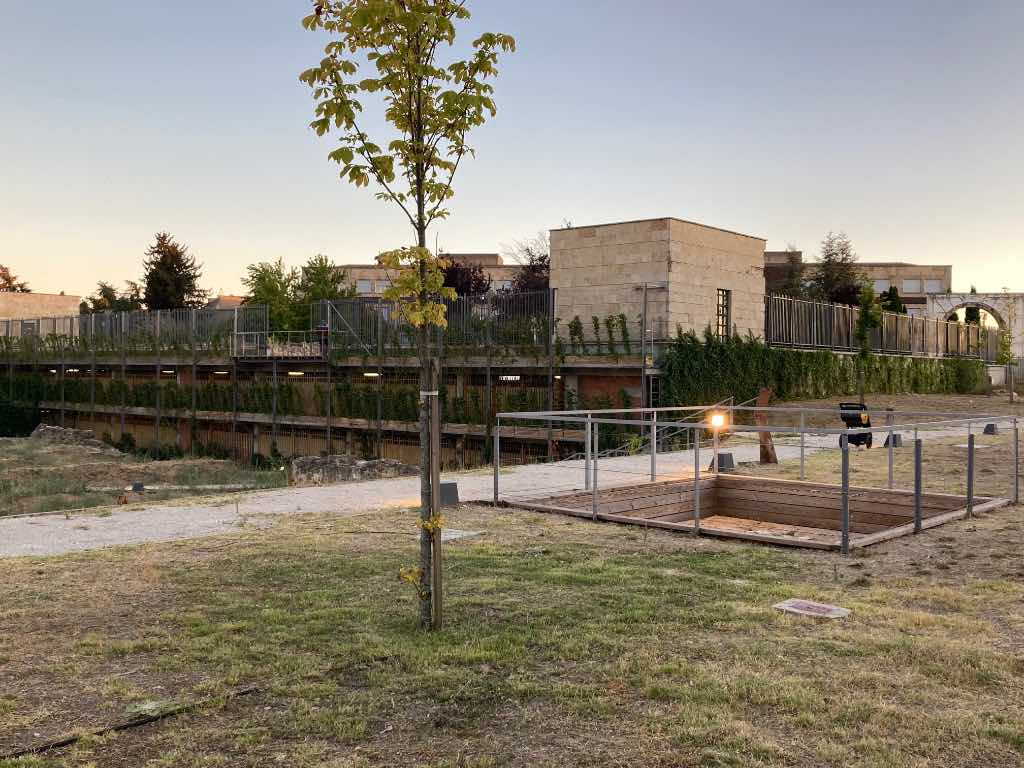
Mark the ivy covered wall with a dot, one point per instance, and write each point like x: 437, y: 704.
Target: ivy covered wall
x: 711, y: 369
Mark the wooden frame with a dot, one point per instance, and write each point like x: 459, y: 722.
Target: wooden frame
x: 793, y: 513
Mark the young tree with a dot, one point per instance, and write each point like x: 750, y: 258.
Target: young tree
x: 466, y: 279
x: 870, y: 317
x: 270, y: 283
x: 108, y: 299
x: 534, y: 254
x: 430, y: 107
x: 972, y: 315
x: 171, y: 276
x: 322, y: 280
x: 836, y: 277
x: 9, y: 282
x: 891, y: 302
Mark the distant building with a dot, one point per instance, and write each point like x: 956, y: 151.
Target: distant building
x: 225, y: 301
x: 17, y: 306
x: 372, y: 279
x: 913, y: 282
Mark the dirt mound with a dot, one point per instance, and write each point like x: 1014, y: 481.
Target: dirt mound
x: 83, y: 437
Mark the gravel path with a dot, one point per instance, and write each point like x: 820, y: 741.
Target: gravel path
x: 42, y: 535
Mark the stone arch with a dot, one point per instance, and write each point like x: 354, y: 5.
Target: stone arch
x: 982, y: 305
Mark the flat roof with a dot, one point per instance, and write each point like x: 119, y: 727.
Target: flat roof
x: 900, y: 264
x: 658, y: 218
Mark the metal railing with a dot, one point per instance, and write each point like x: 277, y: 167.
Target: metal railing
x: 805, y: 324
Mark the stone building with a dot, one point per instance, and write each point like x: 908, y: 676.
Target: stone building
x: 17, y: 306
x: 696, y: 276
x: 372, y: 279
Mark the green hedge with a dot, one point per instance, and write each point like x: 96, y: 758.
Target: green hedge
x: 712, y: 369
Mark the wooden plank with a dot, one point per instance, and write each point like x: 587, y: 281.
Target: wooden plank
x: 708, y: 528
x: 862, y: 491
x: 778, y: 514
x: 882, y: 506
x: 932, y: 522
x: 876, y: 514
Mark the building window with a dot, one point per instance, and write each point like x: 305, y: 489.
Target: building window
x: 933, y: 286
x: 911, y: 286
x: 723, y: 325
x: 364, y: 286
x: 881, y: 286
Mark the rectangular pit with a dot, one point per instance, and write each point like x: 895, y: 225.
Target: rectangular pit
x: 786, y: 512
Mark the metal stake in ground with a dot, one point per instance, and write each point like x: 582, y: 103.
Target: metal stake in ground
x: 1016, y: 462
x: 917, y: 485
x: 970, y: 475
x: 497, y: 457
x: 654, y: 446
x: 696, y: 480
x: 586, y: 460
x: 844, y: 445
x: 596, y: 428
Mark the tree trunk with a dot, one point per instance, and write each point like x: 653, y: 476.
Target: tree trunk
x: 860, y: 379
x: 426, y: 542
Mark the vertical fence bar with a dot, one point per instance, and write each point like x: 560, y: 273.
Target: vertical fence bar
x: 714, y: 451
x: 497, y: 459
x: 970, y: 475
x: 587, y: 457
x: 844, y: 499
x: 596, y: 430
x: 654, y: 446
x: 696, y: 480
x: 918, y: 485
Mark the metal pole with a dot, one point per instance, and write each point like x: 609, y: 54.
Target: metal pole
x: 803, y: 445
x: 970, y: 475
x: 497, y: 458
x: 888, y: 420
x: 273, y: 405
x: 1016, y: 463
x: 586, y: 460
x: 654, y: 446
x: 917, y: 485
x: 714, y: 454
x: 643, y: 354
x: 844, y: 499
x: 596, y: 428
x: 696, y: 481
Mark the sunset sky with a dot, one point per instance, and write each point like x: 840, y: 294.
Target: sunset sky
x: 899, y: 123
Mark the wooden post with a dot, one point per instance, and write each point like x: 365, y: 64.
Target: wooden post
x: 892, y: 455
x: 803, y: 445
x: 1016, y: 462
x: 497, y: 459
x: 970, y: 475
x: 436, y: 588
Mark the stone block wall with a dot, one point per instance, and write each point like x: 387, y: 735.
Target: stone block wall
x: 600, y: 270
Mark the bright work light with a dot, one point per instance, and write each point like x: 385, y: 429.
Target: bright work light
x: 718, y: 420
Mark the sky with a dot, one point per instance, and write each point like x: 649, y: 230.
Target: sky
x: 896, y: 122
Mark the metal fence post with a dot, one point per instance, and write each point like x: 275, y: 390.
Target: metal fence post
x: 803, y: 445
x: 1016, y: 462
x: 970, y: 475
x: 917, y: 485
x: 586, y: 460
x: 892, y: 457
x: 596, y: 430
x: 844, y: 499
x: 654, y: 447
x: 696, y: 480
x: 497, y: 459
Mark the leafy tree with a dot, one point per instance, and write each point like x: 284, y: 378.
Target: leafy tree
x: 836, y: 276
x: 272, y: 284
x: 171, y: 276
x: 429, y: 108
x: 535, y: 255
x: 870, y: 317
x: 972, y: 314
x: 9, y: 282
x: 891, y: 302
x: 322, y: 280
x: 466, y: 279
x: 793, y: 284
x: 108, y: 299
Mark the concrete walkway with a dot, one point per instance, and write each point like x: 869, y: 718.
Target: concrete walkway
x: 42, y: 535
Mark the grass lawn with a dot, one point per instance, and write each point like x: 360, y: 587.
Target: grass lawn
x: 567, y: 643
